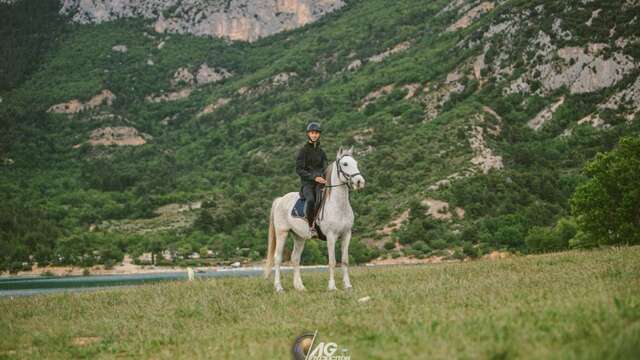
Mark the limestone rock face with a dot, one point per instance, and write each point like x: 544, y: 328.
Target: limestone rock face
x: 119, y: 135
x: 120, y: 48
x: 243, y: 20
x: 182, y: 76
x: 172, y: 96
x: 484, y: 157
x: 207, y: 75
x: 75, y: 106
x: 589, y: 72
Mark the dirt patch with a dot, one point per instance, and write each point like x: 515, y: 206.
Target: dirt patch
x: 404, y: 260
x: 440, y: 209
x: 395, y: 224
x: 471, y: 15
x: 85, y: 340
x: 375, y: 95
x: 172, y: 96
x: 215, y: 106
x: 412, y: 89
x: 545, y: 115
x: 403, y: 46
x: 436, y: 96
x: 497, y: 255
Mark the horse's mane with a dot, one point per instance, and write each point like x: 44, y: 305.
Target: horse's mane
x: 327, y: 173
x: 327, y: 176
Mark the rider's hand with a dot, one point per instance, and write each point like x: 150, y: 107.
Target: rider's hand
x: 320, y: 180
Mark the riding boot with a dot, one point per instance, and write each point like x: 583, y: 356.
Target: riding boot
x: 312, y: 225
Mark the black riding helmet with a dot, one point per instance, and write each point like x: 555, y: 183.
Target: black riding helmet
x: 314, y: 126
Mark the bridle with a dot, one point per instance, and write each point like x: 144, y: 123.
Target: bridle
x: 343, y: 173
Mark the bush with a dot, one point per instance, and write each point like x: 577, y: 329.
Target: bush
x: 439, y: 244
x: 421, y: 246
x: 390, y: 245
x: 469, y: 250
x: 541, y: 239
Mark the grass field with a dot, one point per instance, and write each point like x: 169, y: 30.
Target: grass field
x: 566, y: 305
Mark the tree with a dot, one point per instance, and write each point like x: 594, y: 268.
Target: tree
x: 607, y: 206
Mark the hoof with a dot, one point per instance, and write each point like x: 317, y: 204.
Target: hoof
x: 279, y: 289
x: 348, y: 287
x: 301, y: 288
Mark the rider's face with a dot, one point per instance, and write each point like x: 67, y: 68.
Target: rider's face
x: 314, y: 135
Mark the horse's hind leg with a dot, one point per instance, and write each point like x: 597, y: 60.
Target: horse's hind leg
x: 281, y: 237
x: 345, y: 260
x: 298, y: 246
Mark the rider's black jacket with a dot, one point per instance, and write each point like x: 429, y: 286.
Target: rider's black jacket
x: 310, y: 162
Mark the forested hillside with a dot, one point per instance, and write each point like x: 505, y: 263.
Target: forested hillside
x: 471, y: 121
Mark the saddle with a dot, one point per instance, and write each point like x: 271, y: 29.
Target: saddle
x: 298, y: 212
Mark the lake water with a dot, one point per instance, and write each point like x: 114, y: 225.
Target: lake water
x: 24, y: 286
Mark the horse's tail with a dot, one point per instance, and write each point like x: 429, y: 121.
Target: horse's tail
x: 271, y: 242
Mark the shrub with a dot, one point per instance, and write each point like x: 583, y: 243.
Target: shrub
x: 108, y: 264
x: 390, y: 245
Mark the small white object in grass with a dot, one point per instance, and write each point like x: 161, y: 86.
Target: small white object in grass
x: 236, y: 264
x: 364, y: 299
x: 191, y: 274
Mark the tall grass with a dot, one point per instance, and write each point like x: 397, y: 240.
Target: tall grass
x: 566, y: 305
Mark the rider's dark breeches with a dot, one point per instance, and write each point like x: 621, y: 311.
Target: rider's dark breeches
x: 311, y: 193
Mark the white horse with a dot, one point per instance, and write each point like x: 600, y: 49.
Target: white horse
x: 335, y: 219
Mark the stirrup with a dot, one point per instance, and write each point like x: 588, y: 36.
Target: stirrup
x: 313, y: 231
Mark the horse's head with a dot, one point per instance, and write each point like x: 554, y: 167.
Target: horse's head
x: 348, y: 171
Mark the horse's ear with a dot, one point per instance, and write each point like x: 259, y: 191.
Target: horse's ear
x: 339, y: 154
x: 350, y: 151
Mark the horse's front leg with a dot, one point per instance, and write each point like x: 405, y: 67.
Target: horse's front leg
x: 331, y: 249
x: 345, y: 260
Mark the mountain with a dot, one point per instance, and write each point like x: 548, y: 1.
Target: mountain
x: 136, y: 126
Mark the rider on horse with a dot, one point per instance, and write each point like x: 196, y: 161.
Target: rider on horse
x: 310, y: 165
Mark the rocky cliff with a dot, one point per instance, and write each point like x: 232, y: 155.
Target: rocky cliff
x: 243, y: 20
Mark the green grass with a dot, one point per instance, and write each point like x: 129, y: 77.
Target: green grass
x: 566, y: 305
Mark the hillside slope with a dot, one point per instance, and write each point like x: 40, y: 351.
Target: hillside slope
x: 482, y: 112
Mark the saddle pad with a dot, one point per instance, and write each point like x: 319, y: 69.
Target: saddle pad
x: 298, y: 209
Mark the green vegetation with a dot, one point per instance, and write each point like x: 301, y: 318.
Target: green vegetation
x: 236, y: 159
x: 577, y: 304
x: 607, y: 206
